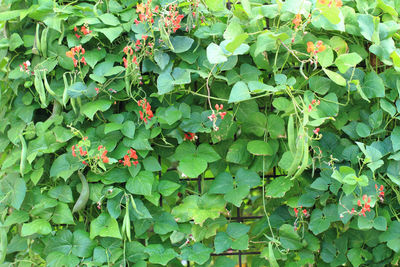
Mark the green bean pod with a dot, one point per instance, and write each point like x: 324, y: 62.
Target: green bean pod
x: 38, y: 82
x: 47, y: 86
x: 304, y: 163
x: 43, y: 41
x: 24, y: 152
x: 65, y: 94
x: 84, y: 196
x: 291, y: 137
x: 36, y: 43
x: 73, y: 104
x: 3, y: 242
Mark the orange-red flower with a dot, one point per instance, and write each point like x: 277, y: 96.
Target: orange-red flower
x: 310, y: 47
x: 297, y: 20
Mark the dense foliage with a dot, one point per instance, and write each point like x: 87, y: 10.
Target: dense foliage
x: 108, y: 108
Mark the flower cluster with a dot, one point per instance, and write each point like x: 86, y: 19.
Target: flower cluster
x: 381, y: 194
x: 313, y: 103
x: 129, y: 52
x: 103, y: 151
x: 337, y: 3
x: 304, y: 213
x: 130, y: 158
x: 76, y: 54
x: 145, y: 12
x: 190, y: 136
x: 173, y: 19
x: 214, y: 116
x: 84, y: 31
x: 145, y: 113
x: 25, y: 67
x: 314, y: 49
x: 365, y: 206
x: 79, y: 147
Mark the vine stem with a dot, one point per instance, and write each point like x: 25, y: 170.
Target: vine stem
x: 208, y: 88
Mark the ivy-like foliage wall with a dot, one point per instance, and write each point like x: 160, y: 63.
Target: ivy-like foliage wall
x: 189, y: 132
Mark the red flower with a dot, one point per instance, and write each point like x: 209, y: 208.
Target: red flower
x: 309, y: 108
x: 84, y: 162
x: 222, y: 114
x: 134, y: 60
x: 83, y: 153
x: 73, y: 151
x: 75, y: 29
x: 127, y: 161
x: 190, y: 136
x: 132, y: 153
x: 296, y: 212
x: 77, y: 35
x: 83, y: 60
x: 316, y: 131
x: 125, y: 62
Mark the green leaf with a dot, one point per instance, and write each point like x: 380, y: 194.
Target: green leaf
x: 259, y: 148
x: 237, y: 152
x: 388, y: 107
x: 90, y: 108
x: 151, y: 164
x: 62, y: 214
x: 354, y: 256
x: 246, y: 177
x: 162, y: 59
x: 236, y: 43
x: 181, y: 43
x: 207, y: 152
x: 12, y: 190
x: 236, y: 230
x: 165, y: 223
x: 111, y: 127
x: 141, y: 184
x: 38, y: 226
x: 395, y: 137
x: 318, y: 222
x: 380, y: 223
x: 237, y: 195
x: 289, y: 238
x: 363, y: 130
x: 197, y: 253
x: 215, y: 55
x: 165, y: 83
x: 373, y: 85
x: 15, y: 41
x: 159, y: 255
x: 109, y: 19
x: 240, y: 92
x: 128, y: 129
x: 222, y: 184
x: 346, y: 61
x: 222, y: 242
x: 77, y: 89
x: 366, y: 24
x: 104, y: 226
x: 278, y: 187
x: 166, y: 187
x: 215, y: 5
x: 17, y: 216
x: 169, y: 115
x: 192, y: 166
x: 335, y: 77
x: 112, y: 33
